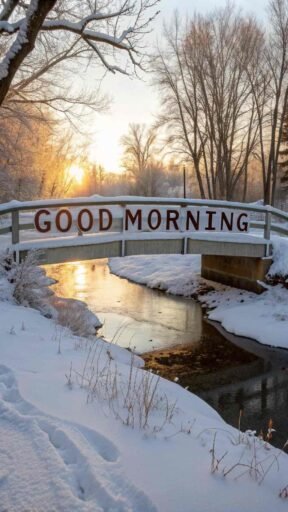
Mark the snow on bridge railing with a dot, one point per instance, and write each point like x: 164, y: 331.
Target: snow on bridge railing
x: 15, y: 208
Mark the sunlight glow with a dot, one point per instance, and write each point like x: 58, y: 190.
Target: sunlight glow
x: 76, y: 174
x: 107, y: 153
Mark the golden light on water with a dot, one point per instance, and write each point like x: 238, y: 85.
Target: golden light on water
x: 79, y: 277
x: 76, y: 174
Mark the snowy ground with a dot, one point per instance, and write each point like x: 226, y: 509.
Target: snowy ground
x: 58, y: 452
x: 73, y: 430
x: 261, y: 317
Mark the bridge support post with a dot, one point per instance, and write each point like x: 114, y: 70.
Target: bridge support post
x: 267, y: 230
x: 184, y: 249
x: 15, y: 227
x: 15, y: 233
x: 241, y: 272
x: 123, y: 242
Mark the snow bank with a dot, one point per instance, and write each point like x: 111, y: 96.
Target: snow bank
x: 173, y: 274
x: 64, y: 446
x: 263, y: 318
x: 27, y: 284
x: 279, y: 266
x: 59, y: 452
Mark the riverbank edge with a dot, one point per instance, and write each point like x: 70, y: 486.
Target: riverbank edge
x: 216, y: 299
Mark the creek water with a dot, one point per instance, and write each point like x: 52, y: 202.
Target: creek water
x: 175, y: 339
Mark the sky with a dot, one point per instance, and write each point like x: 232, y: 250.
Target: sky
x: 136, y: 101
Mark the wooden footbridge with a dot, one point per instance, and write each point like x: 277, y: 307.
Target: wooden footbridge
x: 233, y: 238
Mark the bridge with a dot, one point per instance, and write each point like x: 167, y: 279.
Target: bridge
x: 233, y: 238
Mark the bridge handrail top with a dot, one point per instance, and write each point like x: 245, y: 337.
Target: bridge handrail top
x: 13, y: 206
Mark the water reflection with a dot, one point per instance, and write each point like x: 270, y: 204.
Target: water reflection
x: 261, y: 398
x: 132, y: 315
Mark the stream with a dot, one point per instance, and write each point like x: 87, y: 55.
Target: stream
x: 174, y: 337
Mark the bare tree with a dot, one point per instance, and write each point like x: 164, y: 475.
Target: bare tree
x: 207, y: 105
x: 43, y: 82
x: 97, y: 175
x: 224, y: 83
x: 139, y: 152
x: 106, y: 28
x: 272, y: 75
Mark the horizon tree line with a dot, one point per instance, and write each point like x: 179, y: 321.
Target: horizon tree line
x: 222, y: 79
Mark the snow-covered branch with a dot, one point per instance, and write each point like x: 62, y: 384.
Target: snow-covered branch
x: 91, y: 35
x: 8, y: 9
x: 24, y: 42
x: 77, y: 27
x: 110, y: 25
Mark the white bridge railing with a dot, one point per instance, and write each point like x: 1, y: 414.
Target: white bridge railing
x: 272, y: 219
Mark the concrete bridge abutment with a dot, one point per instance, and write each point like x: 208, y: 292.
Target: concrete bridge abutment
x: 241, y: 272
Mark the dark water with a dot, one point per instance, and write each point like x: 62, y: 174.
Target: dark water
x: 230, y: 373
x: 261, y: 396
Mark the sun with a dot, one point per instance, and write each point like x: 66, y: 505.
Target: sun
x: 76, y: 174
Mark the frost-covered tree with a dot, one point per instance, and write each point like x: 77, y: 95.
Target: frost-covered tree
x: 106, y: 30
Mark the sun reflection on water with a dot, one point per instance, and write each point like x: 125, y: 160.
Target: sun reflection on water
x: 153, y: 317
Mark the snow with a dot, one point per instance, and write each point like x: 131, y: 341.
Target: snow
x: 59, y: 451
x: 99, y: 200
x: 266, y: 316
x: 261, y: 317
x: 280, y: 257
x: 162, y: 272
x: 27, y: 284
x: 20, y: 40
x: 5, y: 26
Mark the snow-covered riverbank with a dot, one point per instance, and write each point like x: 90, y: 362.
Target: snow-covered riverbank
x: 261, y: 317
x: 74, y: 434
x: 59, y: 452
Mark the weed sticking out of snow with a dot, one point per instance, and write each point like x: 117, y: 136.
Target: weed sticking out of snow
x: 69, y: 377
x: 137, y: 401
x: 250, y: 455
x: 283, y: 493
x: 12, y: 331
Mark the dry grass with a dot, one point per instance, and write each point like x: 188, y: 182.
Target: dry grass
x: 135, y: 399
x: 256, y: 459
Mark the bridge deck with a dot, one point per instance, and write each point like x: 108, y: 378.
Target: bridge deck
x: 117, y: 237
x: 76, y: 248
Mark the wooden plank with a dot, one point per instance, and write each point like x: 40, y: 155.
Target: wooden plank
x: 4, y: 231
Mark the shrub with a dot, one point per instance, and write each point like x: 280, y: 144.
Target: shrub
x: 27, y: 282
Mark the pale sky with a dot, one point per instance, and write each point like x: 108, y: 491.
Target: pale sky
x: 135, y: 101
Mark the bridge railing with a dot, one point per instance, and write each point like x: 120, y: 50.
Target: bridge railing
x: 268, y: 219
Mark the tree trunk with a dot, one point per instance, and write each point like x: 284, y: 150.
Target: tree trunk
x: 23, y: 44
